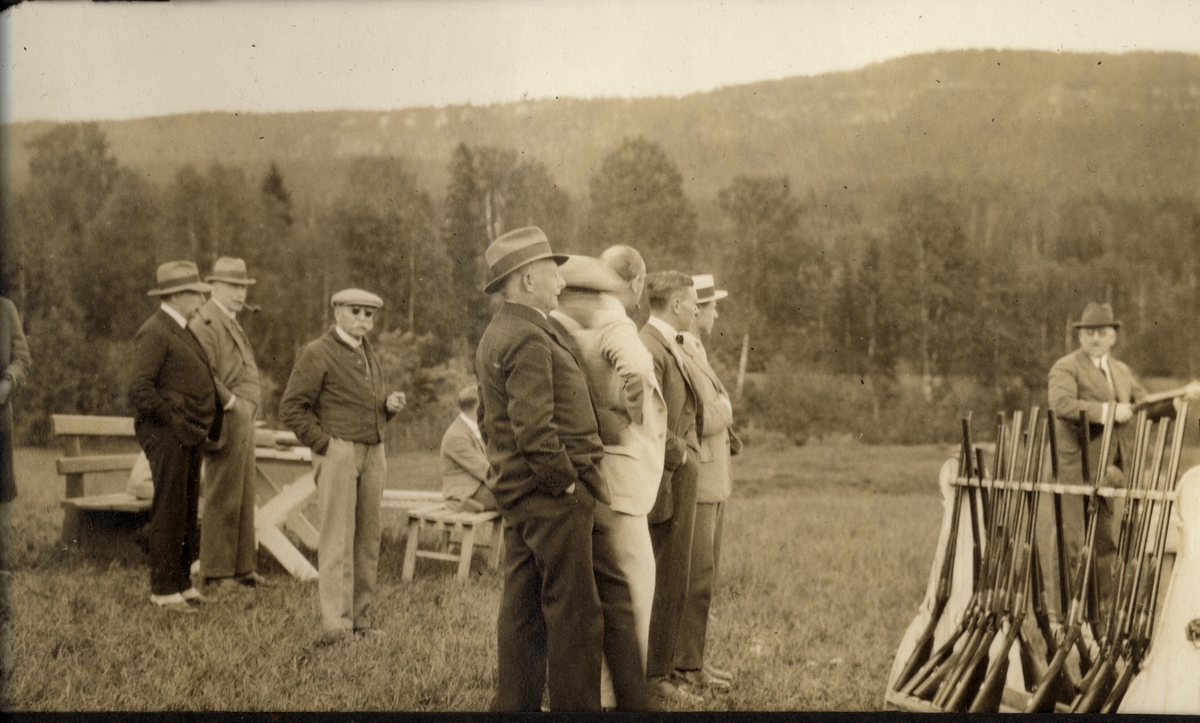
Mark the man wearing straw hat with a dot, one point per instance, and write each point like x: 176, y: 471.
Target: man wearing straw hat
x: 595, y: 307
x: 1090, y: 380
x: 538, y: 421
x: 228, y: 557
x: 714, y: 484
x: 338, y: 405
x: 177, y: 407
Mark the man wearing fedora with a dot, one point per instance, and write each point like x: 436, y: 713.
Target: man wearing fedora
x: 1089, y: 380
x: 543, y: 440
x: 177, y: 407
x: 338, y: 405
x: 672, y: 297
x: 714, y: 484
x: 594, y: 307
x: 227, y: 554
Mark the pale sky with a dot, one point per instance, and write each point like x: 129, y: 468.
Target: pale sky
x: 93, y: 61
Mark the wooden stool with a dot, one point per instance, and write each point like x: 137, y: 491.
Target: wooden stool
x: 442, y: 520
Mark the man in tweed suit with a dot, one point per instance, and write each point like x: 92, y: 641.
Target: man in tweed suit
x: 227, y: 554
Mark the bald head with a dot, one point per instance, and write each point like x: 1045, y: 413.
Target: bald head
x: 628, y: 263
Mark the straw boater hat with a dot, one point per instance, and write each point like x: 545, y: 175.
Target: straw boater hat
x: 355, y: 297
x: 706, y: 289
x: 231, y: 271
x: 176, y: 276
x: 590, y: 274
x: 1096, y: 316
x: 514, y: 250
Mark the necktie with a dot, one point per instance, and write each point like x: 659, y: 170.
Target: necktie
x: 1112, y: 388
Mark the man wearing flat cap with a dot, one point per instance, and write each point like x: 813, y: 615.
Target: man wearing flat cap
x: 228, y: 557
x: 338, y: 405
x: 177, y: 407
x: 594, y: 307
x: 543, y: 441
x: 1090, y: 380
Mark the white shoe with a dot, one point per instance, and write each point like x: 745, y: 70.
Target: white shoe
x: 167, y: 599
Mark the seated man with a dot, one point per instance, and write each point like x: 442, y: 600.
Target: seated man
x: 464, y: 460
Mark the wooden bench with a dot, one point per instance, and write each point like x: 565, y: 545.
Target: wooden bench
x: 73, y: 431
x: 443, y: 522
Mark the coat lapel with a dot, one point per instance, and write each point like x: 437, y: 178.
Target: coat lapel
x: 674, y: 351
x: 184, y: 335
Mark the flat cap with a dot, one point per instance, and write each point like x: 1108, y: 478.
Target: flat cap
x: 356, y: 297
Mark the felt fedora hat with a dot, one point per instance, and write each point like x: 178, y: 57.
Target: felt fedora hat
x: 590, y: 274
x: 514, y: 250
x: 706, y: 289
x: 355, y: 297
x: 231, y: 271
x: 176, y: 276
x: 1096, y: 316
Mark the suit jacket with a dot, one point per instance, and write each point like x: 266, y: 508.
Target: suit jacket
x: 1076, y: 385
x: 715, y: 475
x: 535, y: 409
x: 629, y: 401
x: 14, y: 363
x: 229, y: 354
x: 684, y: 413
x: 172, y: 388
x: 463, y: 460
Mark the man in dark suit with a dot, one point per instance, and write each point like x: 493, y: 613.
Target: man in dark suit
x: 537, y: 418
x: 672, y: 297
x: 464, y: 459
x: 177, y: 407
x: 228, y: 556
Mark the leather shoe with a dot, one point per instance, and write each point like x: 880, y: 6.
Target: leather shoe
x: 672, y: 692
x: 253, y: 579
x: 702, y: 679
x: 222, y: 585
x: 718, y: 673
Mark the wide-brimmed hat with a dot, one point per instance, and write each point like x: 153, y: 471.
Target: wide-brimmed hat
x: 176, y: 276
x: 514, y: 250
x: 706, y: 289
x: 591, y: 274
x: 1096, y: 316
x: 231, y: 271
x: 355, y: 297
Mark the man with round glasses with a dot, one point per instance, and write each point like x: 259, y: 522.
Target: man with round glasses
x: 337, y: 403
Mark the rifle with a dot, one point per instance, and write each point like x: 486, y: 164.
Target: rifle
x: 924, y: 644
x: 925, y: 683
x: 1139, y: 637
x: 990, y: 692
x: 1041, y: 701
x: 1007, y: 525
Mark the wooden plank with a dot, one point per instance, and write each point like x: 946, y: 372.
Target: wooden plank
x: 438, y: 555
x: 401, y: 498
x: 292, y: 497
x: 1064, y: 489
x: 95, y: 463
x: 300, y: 526
x: 295, y: 454
x: 91, y: 426
x: 270, y: 537
x: 117, y: 501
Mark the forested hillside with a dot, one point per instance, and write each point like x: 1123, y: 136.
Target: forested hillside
x: 937, y: 219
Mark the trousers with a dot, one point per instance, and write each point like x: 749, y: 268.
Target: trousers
x: 706, y: 552
x: 623, y: 560
x: 227, y: 532
x: 350, y: 478
x: 672, y: 542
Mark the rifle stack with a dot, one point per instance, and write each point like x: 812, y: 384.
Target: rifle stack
x: 1084, y: 661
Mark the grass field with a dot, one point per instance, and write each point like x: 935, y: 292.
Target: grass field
x: 827, y: 550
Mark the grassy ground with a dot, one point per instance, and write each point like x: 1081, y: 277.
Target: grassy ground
x: 827, y: 549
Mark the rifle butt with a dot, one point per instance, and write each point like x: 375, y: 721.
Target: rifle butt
x: 1093, y: 698
x: 1044, y: 698
x: 1117, y: 694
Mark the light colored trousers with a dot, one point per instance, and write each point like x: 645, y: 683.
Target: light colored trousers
x: 350, y: 478
x: 622, y: 542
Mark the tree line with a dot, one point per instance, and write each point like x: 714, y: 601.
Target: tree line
x: 878, y: 311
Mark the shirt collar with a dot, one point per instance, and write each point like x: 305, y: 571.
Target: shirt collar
x: 471, y: 423
x: 179, y: 318
x: 356, y: 343
x: 667, y: 330
x: 1100, y: 362
x: 222, y: 307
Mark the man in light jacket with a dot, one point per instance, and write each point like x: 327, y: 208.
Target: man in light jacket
x: 594, y: 307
